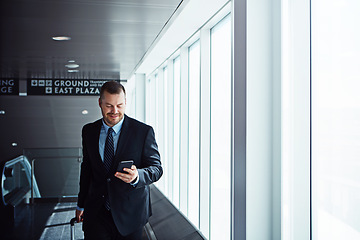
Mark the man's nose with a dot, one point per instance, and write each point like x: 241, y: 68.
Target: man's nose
x: 112, y: 110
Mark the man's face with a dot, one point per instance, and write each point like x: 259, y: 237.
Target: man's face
x: 112, y: 107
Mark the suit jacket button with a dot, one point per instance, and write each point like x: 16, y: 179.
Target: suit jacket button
x: 108, y: 180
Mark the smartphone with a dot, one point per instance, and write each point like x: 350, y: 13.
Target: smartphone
x: 124, y: 164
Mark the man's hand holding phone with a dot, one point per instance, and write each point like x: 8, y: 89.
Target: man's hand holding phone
x: 127, y: 171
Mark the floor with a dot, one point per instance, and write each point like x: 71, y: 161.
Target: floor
x: 45, y: 221
x: 50, y: 219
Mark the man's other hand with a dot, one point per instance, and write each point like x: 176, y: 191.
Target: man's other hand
x: 79, y: 215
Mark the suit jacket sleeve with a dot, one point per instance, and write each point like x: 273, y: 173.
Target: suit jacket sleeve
x: 85, y: 174
x: 151, y: 169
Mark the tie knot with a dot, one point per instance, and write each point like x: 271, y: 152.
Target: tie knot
x: 110, y: 131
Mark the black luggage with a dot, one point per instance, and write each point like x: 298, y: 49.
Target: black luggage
x: 72, y: 228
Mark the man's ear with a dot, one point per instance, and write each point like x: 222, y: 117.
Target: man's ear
x: 99, y: 102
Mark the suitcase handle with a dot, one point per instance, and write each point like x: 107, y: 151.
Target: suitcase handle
x: 73, y: 221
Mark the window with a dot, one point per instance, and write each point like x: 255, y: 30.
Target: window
x: 166, y: 160
x: 335, y: 120
x: 220, y: 130
x: 148, y: 102
x: 152, y: 100
x: 197, y: 112
x: 176, y: 166
x: 194, y: 133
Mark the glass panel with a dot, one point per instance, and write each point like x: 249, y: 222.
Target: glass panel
x: 194, y: 133
x: 64, y: 175
x: 148, y: 102
x: 165, y: 159
x: 154, y: 103
x: 61, y: 165
x: 335, y: 119
x: 220, y: 130
x: 176, y: 176
x: 151, y: 102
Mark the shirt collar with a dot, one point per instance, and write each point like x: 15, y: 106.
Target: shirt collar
x: 116, y: 127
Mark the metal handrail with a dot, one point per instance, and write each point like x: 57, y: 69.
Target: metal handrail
x: 30, y: 177
x: 28, y: 152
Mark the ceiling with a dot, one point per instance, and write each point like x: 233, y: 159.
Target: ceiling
x: 108, y: 37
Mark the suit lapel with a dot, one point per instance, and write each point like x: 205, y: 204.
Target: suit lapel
x: 95, y: 144
x: 124, y: 135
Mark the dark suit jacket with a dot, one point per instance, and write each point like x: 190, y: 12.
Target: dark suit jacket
x: 130, y: 206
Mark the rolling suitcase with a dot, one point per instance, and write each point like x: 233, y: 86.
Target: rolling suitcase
x: 72, y: 228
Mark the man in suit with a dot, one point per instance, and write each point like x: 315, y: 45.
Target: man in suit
x: 111, y: 204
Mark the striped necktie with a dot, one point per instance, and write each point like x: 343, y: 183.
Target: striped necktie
x: 108, y: 158
x: 109, y: 150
